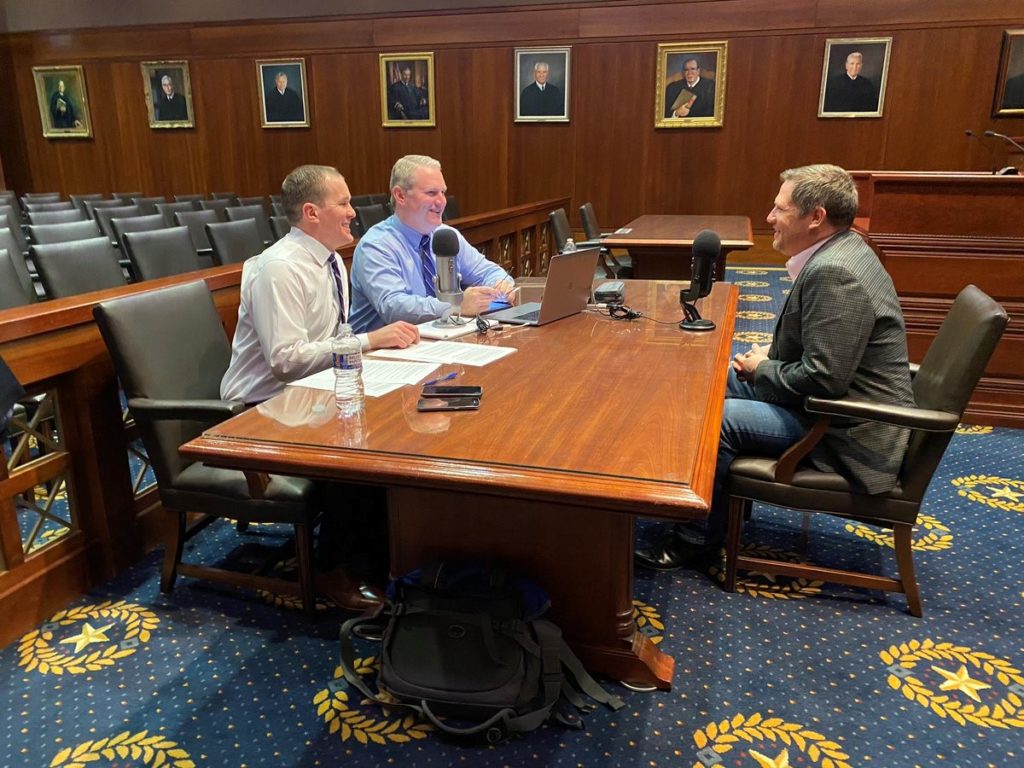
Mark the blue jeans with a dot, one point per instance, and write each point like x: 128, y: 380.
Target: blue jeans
x: 749, y: 426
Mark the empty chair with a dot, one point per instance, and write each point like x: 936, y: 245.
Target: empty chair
x: 275, y: 198
x: 46, y: 234
x: 255, y: 212
x: 451, y: 209
x: 613, y: 266
x: 279, y: 226
x: 67, y: 269
x: 382, y: 198
x: 232, y: 196
x: 90, y: 206
x: 368, y: 215
x: 60, y: 205
x: 362, y: 200
x: 234, y: 241
x: 216, y: 205
x: 277, y: 208
x: 942, y: 386
x: 17, y: 261
x: 126, y: 197
x: 196, y: 222
x: 9, y: 199
x: 189, y: 199
x: 160, y: 253
x: 148, y: 223
x: 10, y: 219
x: 55, y: 217
x: 169, y: 209
x: 154, y: 339
x: 79, y: 200
x: 12, y: 293
x: 148, y: 204
x: 104, y: 215
x: 40, y: 197
x: 255, y: 200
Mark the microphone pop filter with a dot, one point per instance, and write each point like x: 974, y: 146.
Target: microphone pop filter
x: 707, y: 244
x: 445, y: 242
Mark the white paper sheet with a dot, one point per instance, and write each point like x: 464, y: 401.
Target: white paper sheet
x: 379, y: 376
x: 448, y: 352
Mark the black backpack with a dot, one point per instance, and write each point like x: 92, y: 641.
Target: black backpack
x: 465, y: 642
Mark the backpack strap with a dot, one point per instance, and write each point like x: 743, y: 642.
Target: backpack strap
x: 586, y: 683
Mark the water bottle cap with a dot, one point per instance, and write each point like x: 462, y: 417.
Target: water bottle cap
x: 344, y: 329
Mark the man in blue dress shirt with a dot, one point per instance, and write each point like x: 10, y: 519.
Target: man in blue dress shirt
x: 393, y: 267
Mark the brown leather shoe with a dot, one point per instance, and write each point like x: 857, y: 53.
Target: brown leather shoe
x: 346, y: 592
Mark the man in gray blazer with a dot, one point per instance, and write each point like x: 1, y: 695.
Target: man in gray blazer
x: 840, y: 334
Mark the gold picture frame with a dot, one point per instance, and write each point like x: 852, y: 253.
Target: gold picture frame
x: 283, y: 87
x: 1009, y: 97
x: 168, y: 89
x: 63, y: 101
x: 852, y: 87
x: 682, y: 101
x: 407, y: 100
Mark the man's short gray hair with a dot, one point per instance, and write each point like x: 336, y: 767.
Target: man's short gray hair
x: 405, y: 169
x: 166, y: 79
x: 306, y: 184
x: 829, y: 186
x: 541, y: 65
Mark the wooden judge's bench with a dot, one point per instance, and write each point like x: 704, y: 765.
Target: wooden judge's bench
x: 937, y: 232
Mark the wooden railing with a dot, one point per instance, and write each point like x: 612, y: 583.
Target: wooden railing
x: 71, y: 443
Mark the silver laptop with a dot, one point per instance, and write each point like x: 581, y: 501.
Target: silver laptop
x: 566, y: 291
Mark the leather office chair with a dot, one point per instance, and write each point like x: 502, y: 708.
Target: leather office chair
x: 943, y: 384
x: 55, y: 217
x: 150, y: 223
x: 170, y: 352
x: 254, y: 212
x: 382, y: 198
x: 104, y: 215
x: 196, y: 222
x: 79, y: 200
x: 562, y: 232
x: 280, y: 226
x: 234, y: 241
x: 10, y: 244
x: 277, y: 209
x: 167, y: 210
x: 62, y: 205
x: 12, y: 292
x: 259, y: 200
x: 126, y: 198
x: 232, y: 196
x: 160, y: 253
x: 67, y: 269
x: 45, y: 234
x: 216, y: 205
x: 11, y: 219
x: 362, y: 200
x: 40, y: 197
x: 90, y: 206
x: 621, y: 269
x: 368, y: 215
x: 148, y: 204
x: 451, y: 209
x: 189, y: 199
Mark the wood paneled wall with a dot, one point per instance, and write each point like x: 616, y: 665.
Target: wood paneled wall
x: 941, y: 80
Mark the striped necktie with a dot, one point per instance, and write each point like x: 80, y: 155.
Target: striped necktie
x: 427, y: 266
x: 333, y: 261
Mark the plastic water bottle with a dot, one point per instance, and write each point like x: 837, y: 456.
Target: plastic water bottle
x: 570, y: 246
x: 347, y: 357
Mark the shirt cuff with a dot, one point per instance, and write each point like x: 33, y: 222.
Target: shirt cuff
x: 364, y: 341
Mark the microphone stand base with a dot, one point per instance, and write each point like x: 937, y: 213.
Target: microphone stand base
x: 697, y: 325
x: 451, y: 320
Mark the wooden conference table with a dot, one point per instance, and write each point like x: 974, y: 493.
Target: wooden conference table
x: 591, y: 422
x: 661, y: 245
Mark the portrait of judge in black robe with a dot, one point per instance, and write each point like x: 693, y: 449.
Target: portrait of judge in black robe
x: 853, y: 78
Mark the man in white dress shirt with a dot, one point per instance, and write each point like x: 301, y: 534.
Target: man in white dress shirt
x: 293, y: 297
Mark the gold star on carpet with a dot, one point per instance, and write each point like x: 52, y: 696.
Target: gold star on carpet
x: 87, y: 636
x: 961, y: 680
x: 782, y: 761
x: 1006, y: 493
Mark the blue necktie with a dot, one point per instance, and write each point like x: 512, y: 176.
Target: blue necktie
x: 427, y: 266
x: 333, y: 261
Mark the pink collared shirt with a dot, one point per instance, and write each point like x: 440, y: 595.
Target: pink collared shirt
x: 798, y: 262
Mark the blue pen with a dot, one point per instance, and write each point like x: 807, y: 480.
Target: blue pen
x: 447, y: 377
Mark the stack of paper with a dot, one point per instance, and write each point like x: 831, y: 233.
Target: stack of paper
x: 379, y: 376
x: 447, y: 352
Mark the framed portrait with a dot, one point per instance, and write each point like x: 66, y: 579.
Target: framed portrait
x: 168, y: 94
x: 690, y: 92
x: 542, y: 85
x: 282, y: 84
x: 1009, y: 100
x: 63, y: 102
x: 407, y: 90
x: 853, y: 77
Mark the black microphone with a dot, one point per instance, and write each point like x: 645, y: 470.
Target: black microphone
x: 991, y: 150
x: 447, y: 282
x: 1004, y: 137
x: 1009, y: 170
x: 707, y: 248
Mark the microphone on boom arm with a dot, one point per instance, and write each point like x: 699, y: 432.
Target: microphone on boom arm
x: 991, y: 150
x: 1008, y: 170
x: 707, y: 248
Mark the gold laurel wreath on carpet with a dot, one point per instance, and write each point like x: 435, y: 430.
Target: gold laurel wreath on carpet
x: 151, y: 750
x: 751, y: 284
x: 937, y: 538
x: 754, y: 314
x: 291, y: 602
x: 647, y: 615
x: 755, y: 297
x: 969, y: 483
x: 752, y: 337
x: 336, y: 710
x: 722, y: 737
x: 36, y: 651
x: 751, y: 272
x: 1006, y: 713
x: 973, y: 429
x: 755, y: 586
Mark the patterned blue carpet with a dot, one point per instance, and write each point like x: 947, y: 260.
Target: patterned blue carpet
x: 781, y: 674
